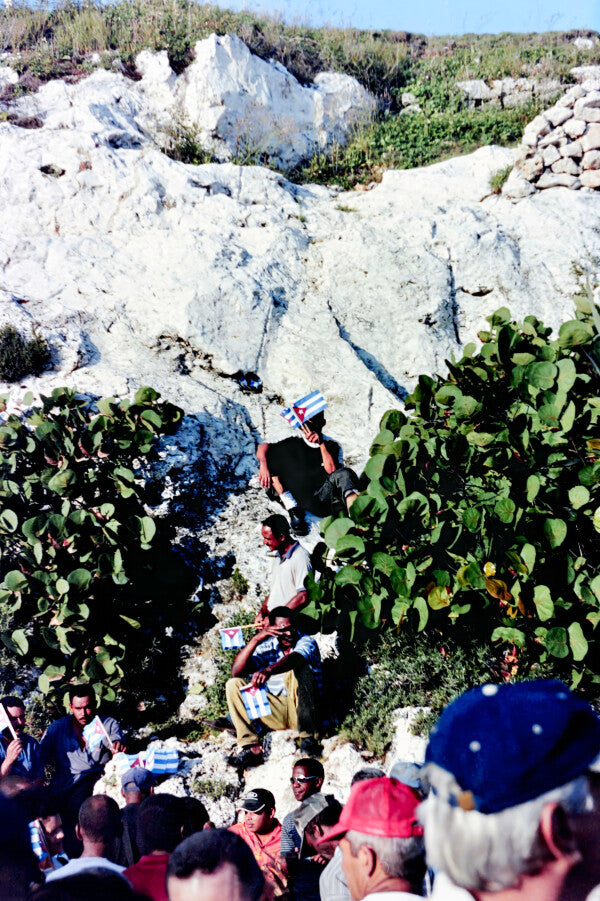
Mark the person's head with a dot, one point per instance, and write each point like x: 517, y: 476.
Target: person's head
x: 379, y: 836
x: 276, y: 532
x: 284, y: 621
x: 316, y: 423
x: 94, y: 884
x: 213, y: 865
x: 15, y: 709
x: 159, y: 823
x: 512, y: 794
x: 82, y: 703
x: 366, y: 773
x: 258, y: 806
x: 18, y: 864
x: 51, y: 821
x: 194, y: 816
x: 98, y: 823
x: 137, y: 783
x: 307, y: 777
x: 316, y: 829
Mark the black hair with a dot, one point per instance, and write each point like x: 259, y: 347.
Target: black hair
x: 12, y: 701
x: 312, y: 766
x: 316, y: 422
x: 159, y: 823
x: 278, y: 524
x: 100, y: 819
x: 95, y: 884
x: 366, y: 773
x: 194, y: 816
x: 283, y: 612
x: 210, y: 850
x: 82, y: 691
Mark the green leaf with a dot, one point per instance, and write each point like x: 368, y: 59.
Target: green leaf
x: 438, y: 597
x: 19, y: 640
x: 9, y: 520
x: 62, y: 586
x: 80, y: 578
x: 579, y: 496
x: 471, y: 518
x: 533, y: 486
x: 62, y: 480
x: 480, y: 439
x: 528, y: 556
x: 567, y: 374
x: 349, y: 543
x: 384, y: 563
x: 505, y: 509
x: 420, y: 605
x: 512, y: 636
x: 596, y: 519
x: 577, y: 641
x: 146, y: 395
x: 543, y: 602
x: 336, y: 529
x: 43, y: 683
x: 574, y: 333
x: 147, y: 528
x: 347, y: 575
x: 542, y: 375
x: 15, y: 580
x: 151, y: 417
x: 555, y: 531
x: 556, y: 642
x: 568, y: 418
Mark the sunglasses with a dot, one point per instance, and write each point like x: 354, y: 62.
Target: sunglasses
x: 301, y: 779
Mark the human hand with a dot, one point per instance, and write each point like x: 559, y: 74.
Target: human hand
x: 313, y: 437
x: 117, y: 747
x: 13, y: 751
x: 258, y: 678
x: 261, y: 621
x: 264, y: 476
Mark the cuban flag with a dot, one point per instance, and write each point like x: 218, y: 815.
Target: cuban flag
x: 304, y: 409
x: 127, y: 761
x: 232, y: 638
x: 94, y: 733
x: 256, y: 702
x: 38, y: 843
x: 162, y: 760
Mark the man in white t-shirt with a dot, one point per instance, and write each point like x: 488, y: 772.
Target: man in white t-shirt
x: 98, y: 827
x: 291, y: 565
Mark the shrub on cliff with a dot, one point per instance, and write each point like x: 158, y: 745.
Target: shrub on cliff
x: 482, y: 511
x: 19, y: 356
x: 88, y: 579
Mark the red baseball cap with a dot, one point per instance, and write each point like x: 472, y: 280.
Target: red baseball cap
x: 383, y: 807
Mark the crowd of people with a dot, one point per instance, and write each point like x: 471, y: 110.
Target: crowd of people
x: 506, y: 806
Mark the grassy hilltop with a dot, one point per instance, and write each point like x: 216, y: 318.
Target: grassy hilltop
x: 59, y: 43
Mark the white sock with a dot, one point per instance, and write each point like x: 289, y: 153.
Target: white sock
x: 288, y: 500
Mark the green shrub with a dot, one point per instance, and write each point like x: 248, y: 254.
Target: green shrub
x: 409, y: 671
x: 481, y: 517
x: 215, y: 692
x: 240, y: 583
x: 89, y: 582
x: 498, y: 178
x: 20, y: 357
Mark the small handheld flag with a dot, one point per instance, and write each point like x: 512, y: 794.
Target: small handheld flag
x: 5, y: 722
x: 95, y: 733
x: 232, y: 638
x: 256, y: 702
x: 162, y: 760
x: 38, y: 840
x: 304, y: 409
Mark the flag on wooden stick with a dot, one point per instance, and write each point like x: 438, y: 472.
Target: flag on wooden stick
x: 304, y: 409
x: 256, y: 702
x: 232, y: 638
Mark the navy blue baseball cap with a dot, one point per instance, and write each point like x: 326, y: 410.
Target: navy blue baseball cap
x: 507, y: 744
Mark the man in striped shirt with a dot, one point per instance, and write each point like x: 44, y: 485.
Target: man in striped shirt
x: 288, y: 665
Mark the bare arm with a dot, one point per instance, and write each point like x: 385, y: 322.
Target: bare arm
x: 264, y: 476
x: 282, y: 666
x: 329, y: 464
x: 242, y: 660
x: 299, y: 600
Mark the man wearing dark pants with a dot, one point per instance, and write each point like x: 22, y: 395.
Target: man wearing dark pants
x: 76, y: 767
x: 288, y: 666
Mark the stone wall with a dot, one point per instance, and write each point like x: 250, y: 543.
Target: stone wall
x: 561, y: 147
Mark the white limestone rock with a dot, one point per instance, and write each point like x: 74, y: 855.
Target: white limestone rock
x: 517, y: 186
x: 574, y: 128
x: 591, y: 159
x: 8, y: 76
x: 550, y: 155
x: 574, y: 149
x: 475, y: 89
x: 591, y: 139
x: 585, y: 73
x: 568, y: 165
x: 557, y: 180
x: 591, y: 178
x: 558, y: 114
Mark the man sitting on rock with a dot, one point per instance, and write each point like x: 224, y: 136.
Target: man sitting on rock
x: 290, y: 567
x: 261, y: 830
x: 288, y: 666
x: 76, y: 767
x: 306, y: 780
x: 305, y: 473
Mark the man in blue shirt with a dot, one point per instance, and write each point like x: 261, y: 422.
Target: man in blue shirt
x: 76, y: 767
x: 288, y: 665
x: 19, y: 756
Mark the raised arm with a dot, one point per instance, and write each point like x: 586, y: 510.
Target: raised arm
x: 264, y: 476
x: 242, y: 660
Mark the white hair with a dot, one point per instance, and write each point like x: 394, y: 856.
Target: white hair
x: 401, y: 858
x: 490, y: 851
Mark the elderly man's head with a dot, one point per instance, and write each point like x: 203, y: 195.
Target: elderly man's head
x: 380, y: 838
x: 214, y: 865
x: 513, y: 796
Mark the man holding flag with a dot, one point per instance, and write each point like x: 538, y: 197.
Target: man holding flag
x: 19, y: 752
x: 306, y: 473
x: 284, y: 670
x: 78, y: 746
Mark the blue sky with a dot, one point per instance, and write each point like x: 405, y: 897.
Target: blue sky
x: 433, y: 17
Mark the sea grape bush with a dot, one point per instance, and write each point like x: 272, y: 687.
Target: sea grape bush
x: 82, y: 566
x: 482, y: 508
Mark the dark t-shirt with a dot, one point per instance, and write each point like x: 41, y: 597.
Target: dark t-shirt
x: 127, y: 852
x: 301, y: 471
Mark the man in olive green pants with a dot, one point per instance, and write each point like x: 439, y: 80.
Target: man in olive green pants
x: 288, y: 665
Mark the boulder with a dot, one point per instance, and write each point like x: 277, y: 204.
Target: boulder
x: 591, y: 139
x: 8, y: 76
x: 517, y: 186
x: 574, y: 149
x: 556, y: 115
x: 574, y: 128
x: 591, y: 160
x: 586, y: 73
x: 550, y: 155
x: 557, y: 180
x: 475, y: 90
x: 566, y: 164
x: 591, y: 178
x: 530, y: 167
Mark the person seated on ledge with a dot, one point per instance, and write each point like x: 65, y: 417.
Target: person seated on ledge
x: 261, y: 830
x: 288, y: 665
x: 305, y: 473
x: 291, y: 565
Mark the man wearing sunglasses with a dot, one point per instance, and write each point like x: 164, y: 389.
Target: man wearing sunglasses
x: 307, y: 779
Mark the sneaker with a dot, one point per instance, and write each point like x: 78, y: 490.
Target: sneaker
x: 310, y: 746
x: 297, y: 522
x: 222, y: 724
x: 246, y: 759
